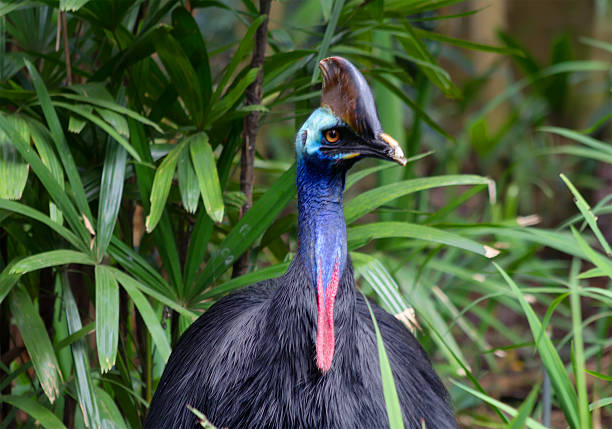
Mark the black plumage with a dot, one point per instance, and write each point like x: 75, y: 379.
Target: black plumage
x: 249, y: 362
x: 300, y: 351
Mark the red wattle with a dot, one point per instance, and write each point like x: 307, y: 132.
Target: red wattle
x: 325, y: 319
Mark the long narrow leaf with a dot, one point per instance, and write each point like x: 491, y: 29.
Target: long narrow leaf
x: 51, y: 258
x: 60, y: 141
x: 37, y: 342
x: 111, y: 191
x: 85, y: 389
x: 40, y: 414
x: 394, y: 410
x: 550, y: 358
x: 107, y: 317
x: 368, y: 201
x: 161, y: 185
x: 360, y: 235
x: 208, y: 178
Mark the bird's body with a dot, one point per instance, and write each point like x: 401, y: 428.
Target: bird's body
x: 256, y: 369
x: 299, y: 351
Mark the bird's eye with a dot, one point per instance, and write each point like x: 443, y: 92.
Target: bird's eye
x: 332, y: 136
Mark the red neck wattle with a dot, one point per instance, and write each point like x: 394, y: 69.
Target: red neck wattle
x: 325, y: 319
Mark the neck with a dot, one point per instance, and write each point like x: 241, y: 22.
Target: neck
x: 322, y: 245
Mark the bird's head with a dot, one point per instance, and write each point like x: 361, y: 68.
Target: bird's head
x: 346, y: 127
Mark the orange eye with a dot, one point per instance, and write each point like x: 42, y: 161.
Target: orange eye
x: 332, y: 136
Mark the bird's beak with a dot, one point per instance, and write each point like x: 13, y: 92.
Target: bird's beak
x: 347, y: 94
x: 385, y: 147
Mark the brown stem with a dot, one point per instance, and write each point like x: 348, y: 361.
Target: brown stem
x: 251, y: 124
x: 66, y: 49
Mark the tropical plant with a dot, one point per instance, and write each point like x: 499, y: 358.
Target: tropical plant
x: 117, y: 117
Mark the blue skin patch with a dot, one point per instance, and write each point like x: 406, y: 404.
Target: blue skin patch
x: 322, y: 228
x: 320, y: 120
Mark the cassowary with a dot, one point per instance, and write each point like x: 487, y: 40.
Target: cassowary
x: 300, y: 351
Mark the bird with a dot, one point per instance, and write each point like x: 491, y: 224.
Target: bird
x: 300, y: 350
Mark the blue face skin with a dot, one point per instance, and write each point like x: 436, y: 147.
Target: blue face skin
x: 319, y: 121
x: 320, y: 182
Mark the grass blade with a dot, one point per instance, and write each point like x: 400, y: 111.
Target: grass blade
x: 40, y: 414
x: 585, y: 209
x: 550, y: 358
x: 368, y: 201
x: 360, y: 235
x: 394, y: 411
x: 107, y: 317
x: 37, y: 342
x: 206, y: 171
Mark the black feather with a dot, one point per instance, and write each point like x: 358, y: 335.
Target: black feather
x: 249, y: 362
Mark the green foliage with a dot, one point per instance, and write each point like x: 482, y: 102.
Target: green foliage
x: 102, y: 230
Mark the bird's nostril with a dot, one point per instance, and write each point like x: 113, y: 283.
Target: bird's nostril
x: 304, y: 137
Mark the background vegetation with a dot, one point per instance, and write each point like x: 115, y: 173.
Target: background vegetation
x: 121, y: 128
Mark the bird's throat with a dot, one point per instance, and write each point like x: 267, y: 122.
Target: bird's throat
x: 322, y: 247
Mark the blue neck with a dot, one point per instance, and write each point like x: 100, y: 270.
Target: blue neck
x: 322, y: 229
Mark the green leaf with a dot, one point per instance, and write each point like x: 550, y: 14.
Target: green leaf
x: 182, y: 74
x: 413, y: 105
x: 51, y: 258
x: 462, y: 43
x: 84, y: 386
x: 250, y: 227
x: 394, y: 411
x: 72, y: 5
x: 188, y: 183
x: 233, y: 95
x: 188, y: 34
x: 109, y: 104
x: 206, y: 171
x: 42, y: 141
x: 578, y: 352
x: 377, y: 276
x: 520, y: 420
x: 585, y: 209
x: 13, y: 169
x: 247, y: 279
x: 531, y: 423
x: 37, y: 342
x: 550, y: 358
x: 161, y: 184
x: 82, y: 111
x: 360, y: 235
x: 34, y: 214
x: 148, y: 316
x: 111, y: 191
x: 60, y: 141
x: 368, y: 201
x: 244, y: 49
x: 124, y: 278
x: 107, y: 317
x: 330, y: 29
x: 415, y: 47
x: 43, y: 416
x: 110, y: 416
